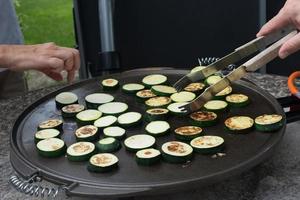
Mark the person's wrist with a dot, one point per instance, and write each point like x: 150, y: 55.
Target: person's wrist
x: 4, y: 56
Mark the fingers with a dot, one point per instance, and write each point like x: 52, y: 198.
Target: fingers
x: 289, y: 47
x: 53, y: 75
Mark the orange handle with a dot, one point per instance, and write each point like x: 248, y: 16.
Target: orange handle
x: 293, y: 89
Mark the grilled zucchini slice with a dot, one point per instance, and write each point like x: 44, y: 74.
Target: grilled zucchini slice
x: 204, y: 118
x: 216, y: 106
x: 197, y: 68
x: 183, y: 96
x: 87, y: 117
x: 115, y: 132
x: 158, y: 102
x: 51, y: 123
x: 108, y: 145
x: 110, y: 84
x: 163, y: 90
x: 132, y: 88
x: 154, y: 79
x: 174, y: 108
x: 208, y: 144
x: 51, y: 147
x: 45, y: 134
x: 87, y: 133
x: 93, y: 101
x: 80, y: 151
x: 187, y: 133
x: 143, y: 95
x: 138, y: 142
x: 130, y: 119
x: 196, y: 88
x: 237, y: 100
x: 176, y: 152
x: 239, y: 124
x: 103, y: 162
x: 65, y: 98
x: 105, y: 121
x: 154, y: 114
x: 147, y: 157
x: 158, y: 128
x: 71, y: 110
x: 268, y: 123
x: 211, y: 80
x: 221, y: 95
x: 113, y: 108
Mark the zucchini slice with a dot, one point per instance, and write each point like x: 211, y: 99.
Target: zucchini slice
x: 93, y: 101
x: 207, y: 144
x: 132, y: 88
x: 129, y: 119
x: 154, y: 114
x: 113, y: 108
x: 87, y: 133
x: 105, y: 121
x: 45, y: 134
x: 237, y: 100
x: 204, y: 118
x: 174, y: 108
x: 87, y: 117
x: 102, y: 162
x: 176, y: 152
x: 138, y: 142
x: 51, y: 123
x: 187, y: 133
x: 156, y: 102
x: 211, y: 80
x: 110, y: 84
x: 216, y: 106
x: 71, y: 110
x: 183, y: 96
x: 158, y: 128
x: 239, y: 124
x: 197, y: 68
x: 80, y: 151
x: 51, y: 147
x: 115, y: 132
x: 108, y: 145
x: 221, y: 95
x: 147, y: 157
x: 196, y: 88
x: 163, y: 90
x: 65, y: 98
x: 154, y: 79
x: 143, y: 95
x: 268, y: 123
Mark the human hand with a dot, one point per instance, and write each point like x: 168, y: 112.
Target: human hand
x: 47, y: 58
x: 288, y: 15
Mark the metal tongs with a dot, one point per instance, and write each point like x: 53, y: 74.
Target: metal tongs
x: 262, y: 58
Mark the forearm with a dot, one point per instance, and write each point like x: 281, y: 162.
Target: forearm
x: 4, y: 57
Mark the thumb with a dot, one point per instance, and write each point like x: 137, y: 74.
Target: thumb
x: 289, y: 47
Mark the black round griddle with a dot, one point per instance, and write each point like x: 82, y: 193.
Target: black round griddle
x: 242, y: 151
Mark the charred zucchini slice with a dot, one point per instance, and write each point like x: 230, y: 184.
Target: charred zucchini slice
x: 113, y: 108
x: 65, y: 98
x: 216, y: 106
x: 211, y: 80
x: 268, y: 123
x: 204, y: 118
x: 143, y: 95
x: 138, y: 142
x: 45, y: 134
x: 87, y: 117
x: 51, y: 147
x: 115, y: 132
x: 71, y: 110
x: 154, y: 114
x: 87, y: 133
x: 221, y: 95
x: 158, y: 102
x: 208, y: 144
x: 183, y: 96
x: 93, y: 101
x: 163, y: 90
x: 108, y: 145
x: 196, y: 88
x: 174, y: 109
x: 176, y: 152
x: 158, y: 128
x: 110, y: 84
x: 51, y: 123
x: 105, y: 121
x: 103, y: 162
x: 237, y: 100
x: 154, y: 79
x: 147, y: 157
x: 132, y: 88
x: 239, y: 124
x: 80, y: 151
x: 187, y: 133
x: 130, y: 119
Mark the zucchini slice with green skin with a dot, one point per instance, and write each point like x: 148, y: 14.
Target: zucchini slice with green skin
x: 239, y: 124
x: 163, y: 90
x: 51, y: 147
x: 268, y: 123
x: 115, y: 132
x: 147, y: 157
x: 108, y: 145
x: 158, y: 102
x: 154, y: 79
x: 93, y: 101
x: 88, y: 133
x: 105, y: 121
x: 237, y: 100
x: 45, y: 134
x: 204, y: 118
x: 132, y: 88
x: 80, y: 151
x: 113, y: 108
x: 103, y: 162
x: 87, y: 117
x: 176, y: 152
x: 211, y: 80
x: 143, y: 95
x: 71, y: 110
x: 208, y: 144
x: 51, y: 123
x: 65, y: 98
x: 158, y: 128
x: 183, y: 96
x: 110, y: 84
x: 130, y: 119
x: 154, y: 114
x: 216, y: 106
x: 221, y: 95
x: 187, y: 133
x: 197, y: 68
x: 196, y: 88
x: 138, y: 142
x: 174, y: 109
